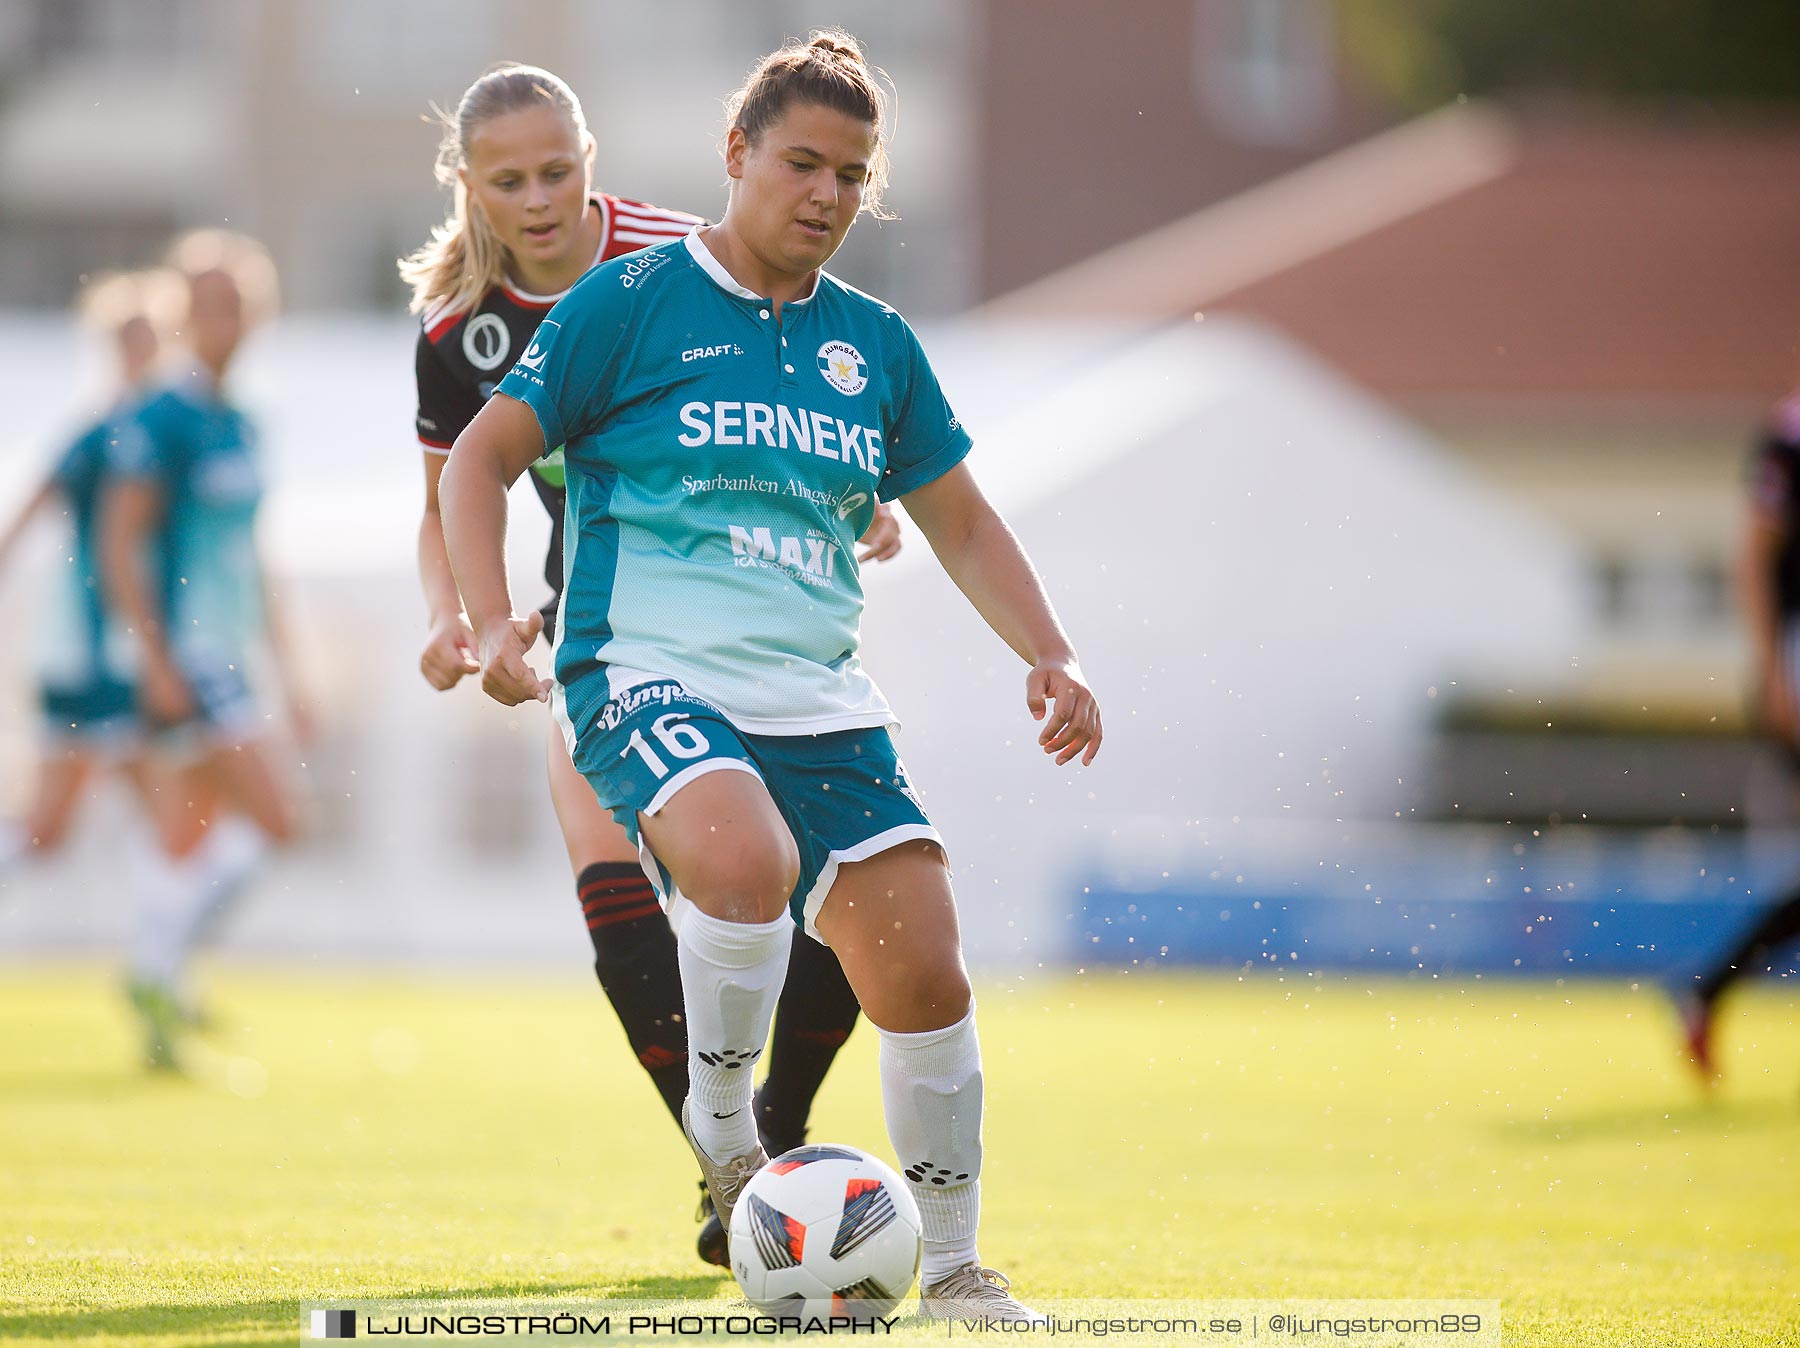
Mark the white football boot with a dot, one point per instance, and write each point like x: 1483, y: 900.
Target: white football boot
x: 972, y: 1292
x: 725, y: 1180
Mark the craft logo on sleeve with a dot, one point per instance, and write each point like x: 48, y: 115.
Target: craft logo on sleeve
x: 334, y: 1324
x: 843, y: 367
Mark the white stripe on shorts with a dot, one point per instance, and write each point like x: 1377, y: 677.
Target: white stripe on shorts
x: 862, y: 851
x: 693, y: 770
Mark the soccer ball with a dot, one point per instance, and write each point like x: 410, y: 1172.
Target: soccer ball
x: 825, y: 1231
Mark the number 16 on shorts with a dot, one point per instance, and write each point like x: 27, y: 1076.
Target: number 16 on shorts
x: 675, y: 731
x: 651, y: 740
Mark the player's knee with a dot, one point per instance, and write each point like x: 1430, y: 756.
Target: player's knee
x: 45, y: 827
x: 46, y: 835
x: 179, y: 832
x: 749, y: 880
x: 281, y: 819
x: 940, y: 995
x: 283, y: 828
x: 919, y: 995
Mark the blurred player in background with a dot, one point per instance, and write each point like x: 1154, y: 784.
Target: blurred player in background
x: 743, y: 742
x: 85, y: 687
x: 1769, y: 590
x: 527, y: 224
x: 179, y: 557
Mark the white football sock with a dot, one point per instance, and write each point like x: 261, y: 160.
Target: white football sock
x: 731, y: 977
x: 163, y: 892
x: 931, y: 1092
x: 227, y: 857
x: 214, y: 877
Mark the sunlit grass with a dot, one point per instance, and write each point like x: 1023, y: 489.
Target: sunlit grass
x: 367, y: 1136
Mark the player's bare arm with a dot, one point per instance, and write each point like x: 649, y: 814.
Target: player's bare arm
x: 983, y: 556
x: 450, y: 647
x: 128, y: 517
x: 883, y: 539
x: 498, y: 445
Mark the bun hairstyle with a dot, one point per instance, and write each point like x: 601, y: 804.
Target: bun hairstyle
x: 464, y: 258
x: 828, y: 69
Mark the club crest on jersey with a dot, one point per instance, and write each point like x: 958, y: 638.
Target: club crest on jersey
x: 539, y: 350
x: 486, y: 342
x: 843, y: 367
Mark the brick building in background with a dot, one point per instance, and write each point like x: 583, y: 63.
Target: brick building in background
x: 1029, y: 134
x: 1592, y: 312
x: 1097, y: 123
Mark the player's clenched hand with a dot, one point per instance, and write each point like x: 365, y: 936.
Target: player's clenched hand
x: 506, y: 675
x: 449, y: 653
x: 882, y: 541
x: 1073, y: 725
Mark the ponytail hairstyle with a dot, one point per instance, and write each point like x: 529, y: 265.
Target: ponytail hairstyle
x: 828, y: 69
x: 463, y: 259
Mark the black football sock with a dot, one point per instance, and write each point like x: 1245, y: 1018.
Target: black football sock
x: 635, y: 961
x: 1774, y: 930
x: 816, y: 1013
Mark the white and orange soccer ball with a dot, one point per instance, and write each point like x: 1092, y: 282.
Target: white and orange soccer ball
x: 826, y: 1231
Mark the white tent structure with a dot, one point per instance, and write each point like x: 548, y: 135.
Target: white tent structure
x: 1268, y: 575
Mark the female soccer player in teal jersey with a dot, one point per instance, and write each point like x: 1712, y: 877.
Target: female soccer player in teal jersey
x: 88, y: 693
x: 180, y: 564
x: 527, y: 224
x: 84, y: 688
x: 729, y: 414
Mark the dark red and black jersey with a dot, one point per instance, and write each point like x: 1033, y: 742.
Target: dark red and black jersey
x: 463, y: 355
x: 1775, y: 481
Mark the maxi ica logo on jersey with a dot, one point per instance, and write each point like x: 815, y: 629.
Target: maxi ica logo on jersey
x: 843, y: 367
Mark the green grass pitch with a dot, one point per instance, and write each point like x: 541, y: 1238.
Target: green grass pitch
x: 375, y: 1136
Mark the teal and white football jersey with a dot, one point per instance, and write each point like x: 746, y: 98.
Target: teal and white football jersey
x: 722, y: 462
x: 201, y: 452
